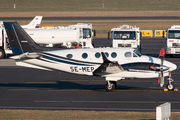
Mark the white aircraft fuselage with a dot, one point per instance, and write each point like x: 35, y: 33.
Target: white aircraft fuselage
x: 86, y: 61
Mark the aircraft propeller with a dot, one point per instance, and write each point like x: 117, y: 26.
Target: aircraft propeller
x: 161, y: 55
x: 161, y: 68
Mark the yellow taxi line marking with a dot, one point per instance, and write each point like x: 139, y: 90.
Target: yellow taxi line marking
x: 96, y: 83
x: 51, y: 101
x: 41, y: 82
x: 87, y: 90
x: 97, y: 80
x: 157, y: 87
x: 175, y: 72
x: 169, y: 101
x: 114, y: 101
x: 20, y: 89
x: 126, y: 90
x: 63, y: 90
x: 166, y: 83
x: 105, y: 81
x: 107, y: 101
x: 114, y: 90
x: 75, y: 80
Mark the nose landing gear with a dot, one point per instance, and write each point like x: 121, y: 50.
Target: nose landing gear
x: 170, y: 86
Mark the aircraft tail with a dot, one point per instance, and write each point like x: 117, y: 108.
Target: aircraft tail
x: 20, y: 41
x: 35, y: 23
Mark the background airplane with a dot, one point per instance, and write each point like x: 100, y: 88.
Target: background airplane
x: 35, y: 23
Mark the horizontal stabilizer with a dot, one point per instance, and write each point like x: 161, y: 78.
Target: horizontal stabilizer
x: 23, y: 64
x: 30, y: 56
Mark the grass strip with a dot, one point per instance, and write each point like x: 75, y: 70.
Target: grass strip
x: 78, y: 115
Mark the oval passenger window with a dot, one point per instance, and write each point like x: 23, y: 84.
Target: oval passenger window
x: 97, y: 55
x: 84, y: 55
x: 69, y: 56
x: 113, y: 55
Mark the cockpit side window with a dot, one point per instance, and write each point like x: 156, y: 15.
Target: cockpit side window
x: 134, y: 55
x: 128, y: 54
x: 137, y: 53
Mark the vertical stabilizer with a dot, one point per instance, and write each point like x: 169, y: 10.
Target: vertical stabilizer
x: 20, y: 41
x: 35, y: 23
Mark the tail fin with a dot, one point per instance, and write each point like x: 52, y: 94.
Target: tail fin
x: 35, y: 23
x: 20, y: 41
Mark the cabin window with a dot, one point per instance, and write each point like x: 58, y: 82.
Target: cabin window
x: 69, y: 56
x: 84, y: 55
x: 97, y: 55
x: 128, y: 54
x: 107, y: 54
x: 113, y: 55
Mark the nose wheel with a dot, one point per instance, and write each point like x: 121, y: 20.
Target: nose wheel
x: 170, y: 86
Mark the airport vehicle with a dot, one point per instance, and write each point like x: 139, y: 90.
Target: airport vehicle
x: 173, y: 41
x: 4, y: 42
x: 80, y: 35
x: 126, y: 36
x: 113, y: 64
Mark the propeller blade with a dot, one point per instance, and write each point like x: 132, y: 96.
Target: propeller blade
x: 162, y: 60
x: 158, y: 79
x: 161, y: 81
x: 162, y: 52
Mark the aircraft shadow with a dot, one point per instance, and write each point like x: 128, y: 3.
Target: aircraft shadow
x: 60, y: 85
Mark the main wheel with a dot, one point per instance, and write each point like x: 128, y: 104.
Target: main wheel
x: 170, y: 87
x: 2, y: 54
x: 110, y: 87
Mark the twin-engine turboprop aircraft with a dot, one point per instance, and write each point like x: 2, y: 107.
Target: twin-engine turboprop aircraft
x: 112, y: 63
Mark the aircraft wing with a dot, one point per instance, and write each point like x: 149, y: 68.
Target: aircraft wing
x: 108, y: 67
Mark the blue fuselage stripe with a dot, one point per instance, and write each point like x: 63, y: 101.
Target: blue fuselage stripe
x: 63, y: 61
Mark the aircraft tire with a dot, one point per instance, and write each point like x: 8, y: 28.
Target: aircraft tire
x: 112, y: 87
x: 170, y: 87
x: 2, y: 54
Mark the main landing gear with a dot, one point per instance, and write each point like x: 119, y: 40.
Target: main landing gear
x: 110, y: 86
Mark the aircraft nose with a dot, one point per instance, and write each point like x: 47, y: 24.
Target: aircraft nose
x: 172, y: 67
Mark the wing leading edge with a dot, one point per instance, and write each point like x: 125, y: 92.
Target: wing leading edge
x: 107, y: 67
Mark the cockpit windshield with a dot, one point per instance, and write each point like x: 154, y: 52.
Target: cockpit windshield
x: 137, y: 53
x: 174, y: 34
x: 86, y: 33
x: 124, y: 35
